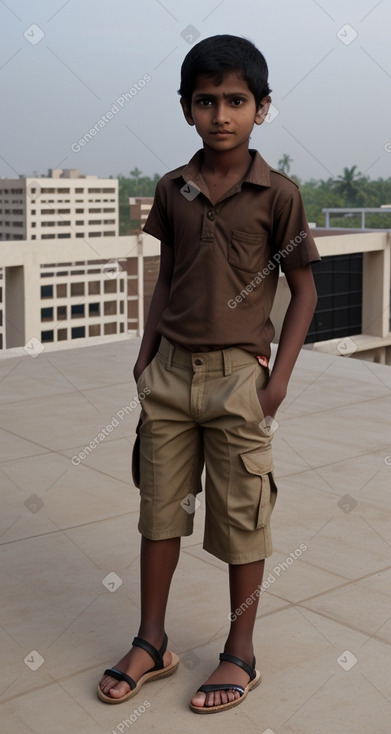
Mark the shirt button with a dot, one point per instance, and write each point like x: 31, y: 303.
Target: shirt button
x: 198, y: 362
x: 211, y: 214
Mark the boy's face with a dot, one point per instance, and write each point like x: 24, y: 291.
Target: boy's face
x: 224, y: 115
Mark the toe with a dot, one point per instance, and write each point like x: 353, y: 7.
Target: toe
x: 199, y: 699
x: 118, y: 690
x: 111, y: 687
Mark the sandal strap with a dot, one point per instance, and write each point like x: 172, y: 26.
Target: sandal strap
x: 241, y: 663
x: 212, y: 687
x: 156, y: 655
x: 119, y: 675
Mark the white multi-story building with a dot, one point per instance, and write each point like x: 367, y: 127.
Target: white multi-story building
x: 62, y: 206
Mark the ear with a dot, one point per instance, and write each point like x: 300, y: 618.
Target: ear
x: 263, y: 110
x: 186, y: 112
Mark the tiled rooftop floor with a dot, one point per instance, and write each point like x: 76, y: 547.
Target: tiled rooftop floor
x: 65, y: 526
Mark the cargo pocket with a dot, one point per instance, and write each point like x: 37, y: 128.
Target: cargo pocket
x: 247, y: 251
x: 260, y: 465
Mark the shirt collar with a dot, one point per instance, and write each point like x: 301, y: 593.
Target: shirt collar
x: 258, y: 173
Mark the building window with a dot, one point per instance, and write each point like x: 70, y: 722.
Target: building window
x: 77, y: 289
x: 61, y: 290
x: 61, y: 313
x: 77, y: 311
x: 94, y: 309
x: 47, y: 314
x: 94, y: 330
x: 78, y: 332
x: 93, y: 287
x: 46, y: 291
x: 47, y: 336
x: 110, y: 328
x: 110, y: 286
x: 62, y: 335
x: 110, y: 308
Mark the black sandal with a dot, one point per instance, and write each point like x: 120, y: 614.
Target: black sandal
x: 255, y: 679
x: 158, y: 671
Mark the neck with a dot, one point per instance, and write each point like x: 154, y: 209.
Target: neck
x: 226, y: 162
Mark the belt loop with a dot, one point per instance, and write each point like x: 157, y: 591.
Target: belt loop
x: 227, y: 362
x: 170, y: 355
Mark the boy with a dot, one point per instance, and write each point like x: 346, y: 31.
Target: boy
x: 225, y: 221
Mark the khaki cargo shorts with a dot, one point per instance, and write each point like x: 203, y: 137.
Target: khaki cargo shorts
x: 202, y: 409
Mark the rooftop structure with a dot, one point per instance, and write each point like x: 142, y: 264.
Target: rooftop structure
x: 62, y: 205
x: 68, y: 534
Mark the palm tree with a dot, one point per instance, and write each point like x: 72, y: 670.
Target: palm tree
x: 349, y: 186
x: 136, y: 173
x: 284, y: 164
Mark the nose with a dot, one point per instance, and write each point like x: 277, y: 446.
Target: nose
x: 220, y: 113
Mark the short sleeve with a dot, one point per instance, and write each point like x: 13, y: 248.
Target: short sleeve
x: 292, y: 242
x: 158, y: 221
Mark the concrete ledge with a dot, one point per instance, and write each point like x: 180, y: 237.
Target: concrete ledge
x: 371, y: 348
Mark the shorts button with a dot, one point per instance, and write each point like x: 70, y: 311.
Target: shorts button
x: 198, y: 362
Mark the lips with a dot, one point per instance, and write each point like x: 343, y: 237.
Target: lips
x: 222, y: 133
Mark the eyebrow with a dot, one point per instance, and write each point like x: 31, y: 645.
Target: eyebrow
x: 202, y: 95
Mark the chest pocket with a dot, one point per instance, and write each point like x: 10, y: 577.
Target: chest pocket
x: 248, y: 251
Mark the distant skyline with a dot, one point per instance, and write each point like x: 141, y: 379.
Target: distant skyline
x: 94, y: 86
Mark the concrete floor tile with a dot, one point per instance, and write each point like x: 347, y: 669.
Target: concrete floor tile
x: 291, y: 578
x: 14, y: 447
x: 364, y: 605
x: 70, y: 566
x: 60, y: 495
x: 341, y: 542
x: 110, y: 456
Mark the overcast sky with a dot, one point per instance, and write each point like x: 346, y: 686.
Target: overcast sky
x: 329, y: 65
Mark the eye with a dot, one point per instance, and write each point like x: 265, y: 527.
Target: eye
x: 205, y: 102
x: 237, y: 101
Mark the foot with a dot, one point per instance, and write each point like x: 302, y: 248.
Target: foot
x: 224, y: 673
x: 135, y: 663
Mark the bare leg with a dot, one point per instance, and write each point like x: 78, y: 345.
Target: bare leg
x: 157, y: 565
x: 244, y: 579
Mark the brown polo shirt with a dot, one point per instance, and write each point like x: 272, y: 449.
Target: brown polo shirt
x: 227, y: 255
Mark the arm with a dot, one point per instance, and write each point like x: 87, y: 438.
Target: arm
x: 151, y: 338
x: 294, y: 330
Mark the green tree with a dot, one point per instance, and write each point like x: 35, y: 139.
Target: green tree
x: 350, y: 186
x: 136, y: 173
x: 284, y: 164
